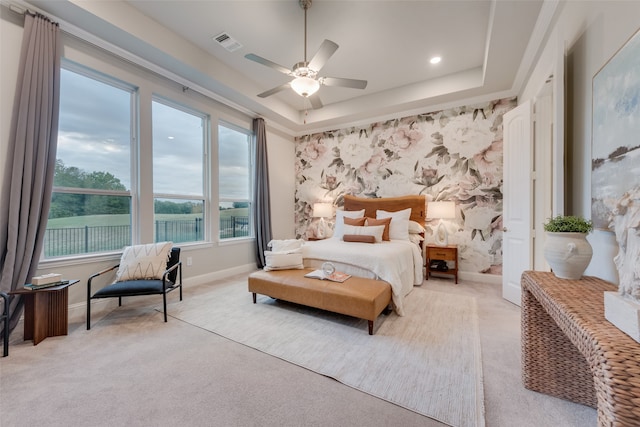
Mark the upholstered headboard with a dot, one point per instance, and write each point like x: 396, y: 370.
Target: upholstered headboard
x: 390, y: 204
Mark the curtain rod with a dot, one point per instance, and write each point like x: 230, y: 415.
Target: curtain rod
x: 24, y: 11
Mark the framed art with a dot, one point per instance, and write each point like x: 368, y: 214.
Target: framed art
x: 615, y: 148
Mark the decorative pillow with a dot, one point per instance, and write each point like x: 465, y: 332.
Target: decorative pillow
x: 140, y: 262
x: 375, y: 231
x: 357, y: 238
x: 283, y: 260
x: 399, y: 227
x: 415, y: 227
x: 359, y: 222
x: 386, y: 222
x: 338, y: 229
x: 285, y: 245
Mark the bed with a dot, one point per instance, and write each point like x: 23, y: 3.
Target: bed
x: 398, y: 262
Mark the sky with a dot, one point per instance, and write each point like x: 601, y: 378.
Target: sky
x: 95, y: 135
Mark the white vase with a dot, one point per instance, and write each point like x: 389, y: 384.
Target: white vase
x: 568, y: 254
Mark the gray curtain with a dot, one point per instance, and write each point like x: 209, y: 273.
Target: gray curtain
x: 262, y: 203
x: 31, y: 157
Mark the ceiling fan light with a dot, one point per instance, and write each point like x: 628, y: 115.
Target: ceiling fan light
x: 305, y: 86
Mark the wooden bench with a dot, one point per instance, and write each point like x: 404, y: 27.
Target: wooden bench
x: 357, y: 297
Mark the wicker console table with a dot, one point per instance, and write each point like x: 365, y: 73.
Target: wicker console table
x: 569, y: 350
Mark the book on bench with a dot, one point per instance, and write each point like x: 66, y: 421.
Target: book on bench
x: 336, y: 276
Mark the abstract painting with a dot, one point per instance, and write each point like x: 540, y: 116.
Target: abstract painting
x: 615, y: 153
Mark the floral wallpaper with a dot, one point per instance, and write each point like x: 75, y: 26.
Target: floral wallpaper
x: 453, y: 154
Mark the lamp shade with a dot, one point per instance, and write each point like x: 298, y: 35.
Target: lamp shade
x: 305, y: 86
x: 322, y: 210
x: 442, y: 210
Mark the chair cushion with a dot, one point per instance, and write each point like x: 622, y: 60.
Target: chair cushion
x: 130, y: 288
x: 144, y: 261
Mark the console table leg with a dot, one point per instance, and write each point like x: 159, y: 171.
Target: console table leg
x: 551, y: 364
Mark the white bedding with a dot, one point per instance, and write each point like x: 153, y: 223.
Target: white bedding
x: 398, y: 262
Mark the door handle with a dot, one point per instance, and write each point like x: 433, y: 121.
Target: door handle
x: 504, y: 229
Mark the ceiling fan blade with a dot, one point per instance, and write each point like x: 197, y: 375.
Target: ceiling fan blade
x: 271, y: 64
x: 274, y: 90
x: 327, y: 48
x: 315, y: 101
x: 337, y: 81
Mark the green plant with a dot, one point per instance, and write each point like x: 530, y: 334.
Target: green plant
x: 568, y: 224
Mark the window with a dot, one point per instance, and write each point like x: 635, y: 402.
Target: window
x: 133, y: 161
x: 91, y: 200
x: 235, y: 180
x: 178, y: 172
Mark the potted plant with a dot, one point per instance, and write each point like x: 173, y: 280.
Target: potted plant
x: 566, y: 247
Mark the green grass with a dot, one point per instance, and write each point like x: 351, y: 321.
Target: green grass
x: 234, y: 212
x: 89, y: 220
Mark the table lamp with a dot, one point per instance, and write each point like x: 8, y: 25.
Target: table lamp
x: 322, y: 211
x: 441, y: 210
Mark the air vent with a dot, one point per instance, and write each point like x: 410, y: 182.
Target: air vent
x: 228, y: 42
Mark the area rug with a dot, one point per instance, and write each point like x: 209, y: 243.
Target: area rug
x: 427, y: 361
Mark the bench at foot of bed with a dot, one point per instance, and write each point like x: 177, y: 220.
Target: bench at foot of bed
x: 357, y: 297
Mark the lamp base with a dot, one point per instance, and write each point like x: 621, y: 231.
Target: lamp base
x: 321, y: 232
x: 441, y: 235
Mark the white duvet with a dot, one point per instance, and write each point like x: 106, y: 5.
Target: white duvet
x: 397, y: 262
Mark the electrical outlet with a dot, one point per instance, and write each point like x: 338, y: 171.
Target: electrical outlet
x: 189, y: 260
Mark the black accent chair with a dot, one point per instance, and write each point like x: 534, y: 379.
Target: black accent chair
x: 5, y: 324
x: 171, y: 280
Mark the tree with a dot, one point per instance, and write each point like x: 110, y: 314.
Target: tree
x: 66, y: 204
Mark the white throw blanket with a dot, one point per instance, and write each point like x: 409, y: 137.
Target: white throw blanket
x: 397, y: 262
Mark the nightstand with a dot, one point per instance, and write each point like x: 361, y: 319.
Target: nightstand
x: 445, y: 253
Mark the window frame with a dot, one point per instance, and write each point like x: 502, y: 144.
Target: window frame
x: 252, y: 170
x: 206, y: 142
x: 98, y: 76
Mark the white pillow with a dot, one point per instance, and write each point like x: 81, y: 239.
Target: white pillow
x: 415, y: 227
x: 140, y: 262
x: 338, y: 229
x: 399, y: 227
x: 285, y: 245
x: 373, y: 230
x: 283, y: 260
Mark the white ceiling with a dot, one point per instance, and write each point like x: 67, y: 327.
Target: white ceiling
x: 487, y: 48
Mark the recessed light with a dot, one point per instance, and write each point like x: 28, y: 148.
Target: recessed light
x: 435, y: 60
x: 170, y: 137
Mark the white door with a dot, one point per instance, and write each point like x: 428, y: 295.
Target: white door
x: 517, y: 201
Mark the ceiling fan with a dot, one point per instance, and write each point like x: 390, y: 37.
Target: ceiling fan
x: 306, y: 81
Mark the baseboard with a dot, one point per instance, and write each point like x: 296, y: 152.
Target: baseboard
x: 494, y: 279
x: 217, y: 275
x: 101, y: 307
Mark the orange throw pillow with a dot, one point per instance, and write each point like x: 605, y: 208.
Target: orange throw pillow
x: 358, y: 238
x: 384, y: 221
x: 358, y: 222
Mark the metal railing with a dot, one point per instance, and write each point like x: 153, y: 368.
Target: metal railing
x: 234, y: 226
x: 103, y: 238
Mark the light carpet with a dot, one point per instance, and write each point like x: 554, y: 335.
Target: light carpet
x: 428, y: 361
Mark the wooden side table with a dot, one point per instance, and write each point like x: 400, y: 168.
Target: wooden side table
x: 46, y: 311
x: 445, y: 253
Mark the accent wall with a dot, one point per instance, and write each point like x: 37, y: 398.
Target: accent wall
x: 453, y: 155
